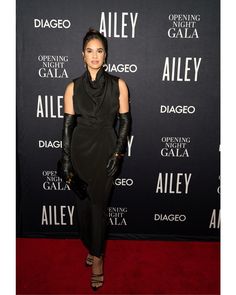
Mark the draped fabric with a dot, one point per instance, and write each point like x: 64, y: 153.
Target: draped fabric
x: 95, y: 89
x: 93, y: 142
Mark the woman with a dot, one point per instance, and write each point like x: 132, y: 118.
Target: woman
x: 91, y: 147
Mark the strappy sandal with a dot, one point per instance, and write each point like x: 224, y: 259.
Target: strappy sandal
x: 96, y: 279
x: 89, y: 260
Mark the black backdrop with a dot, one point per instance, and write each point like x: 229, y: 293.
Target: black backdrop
x: 168, y: 53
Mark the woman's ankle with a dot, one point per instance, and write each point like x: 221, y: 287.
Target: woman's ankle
x: 98, y: 259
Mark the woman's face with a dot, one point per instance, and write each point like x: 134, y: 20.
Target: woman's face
x: 94, y: 54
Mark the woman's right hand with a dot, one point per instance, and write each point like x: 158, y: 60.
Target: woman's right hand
x: 65, y: 170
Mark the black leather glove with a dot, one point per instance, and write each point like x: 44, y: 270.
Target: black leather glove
x: 113, y: 164
x: 115, y: 159
x: 66, y: 169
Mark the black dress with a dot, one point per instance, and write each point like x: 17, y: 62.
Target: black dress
x: 96, y: 104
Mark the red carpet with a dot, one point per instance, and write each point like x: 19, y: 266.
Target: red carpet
x: 54, y: 266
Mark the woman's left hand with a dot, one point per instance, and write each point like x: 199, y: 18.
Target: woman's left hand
x: 113, y: 164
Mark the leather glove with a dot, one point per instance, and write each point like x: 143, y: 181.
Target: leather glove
x: 66, y: 169
x: 113, y: 164
x: 115, y: 159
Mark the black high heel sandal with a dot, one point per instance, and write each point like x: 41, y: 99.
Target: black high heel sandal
x: 95, y: 279
x: 89, y: 260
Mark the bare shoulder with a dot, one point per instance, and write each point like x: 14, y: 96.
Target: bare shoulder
x: 68, y: 98
x: 124, y: 97
x: 122, y: 86
x: 122, y: 83
x: 69, y: 89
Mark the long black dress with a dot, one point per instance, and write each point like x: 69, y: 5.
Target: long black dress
x: 96, y: 104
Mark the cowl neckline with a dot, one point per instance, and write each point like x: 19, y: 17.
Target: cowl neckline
x: 95, y: 88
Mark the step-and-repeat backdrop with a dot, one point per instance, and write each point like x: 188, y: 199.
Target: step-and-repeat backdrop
x: 168, y: 53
